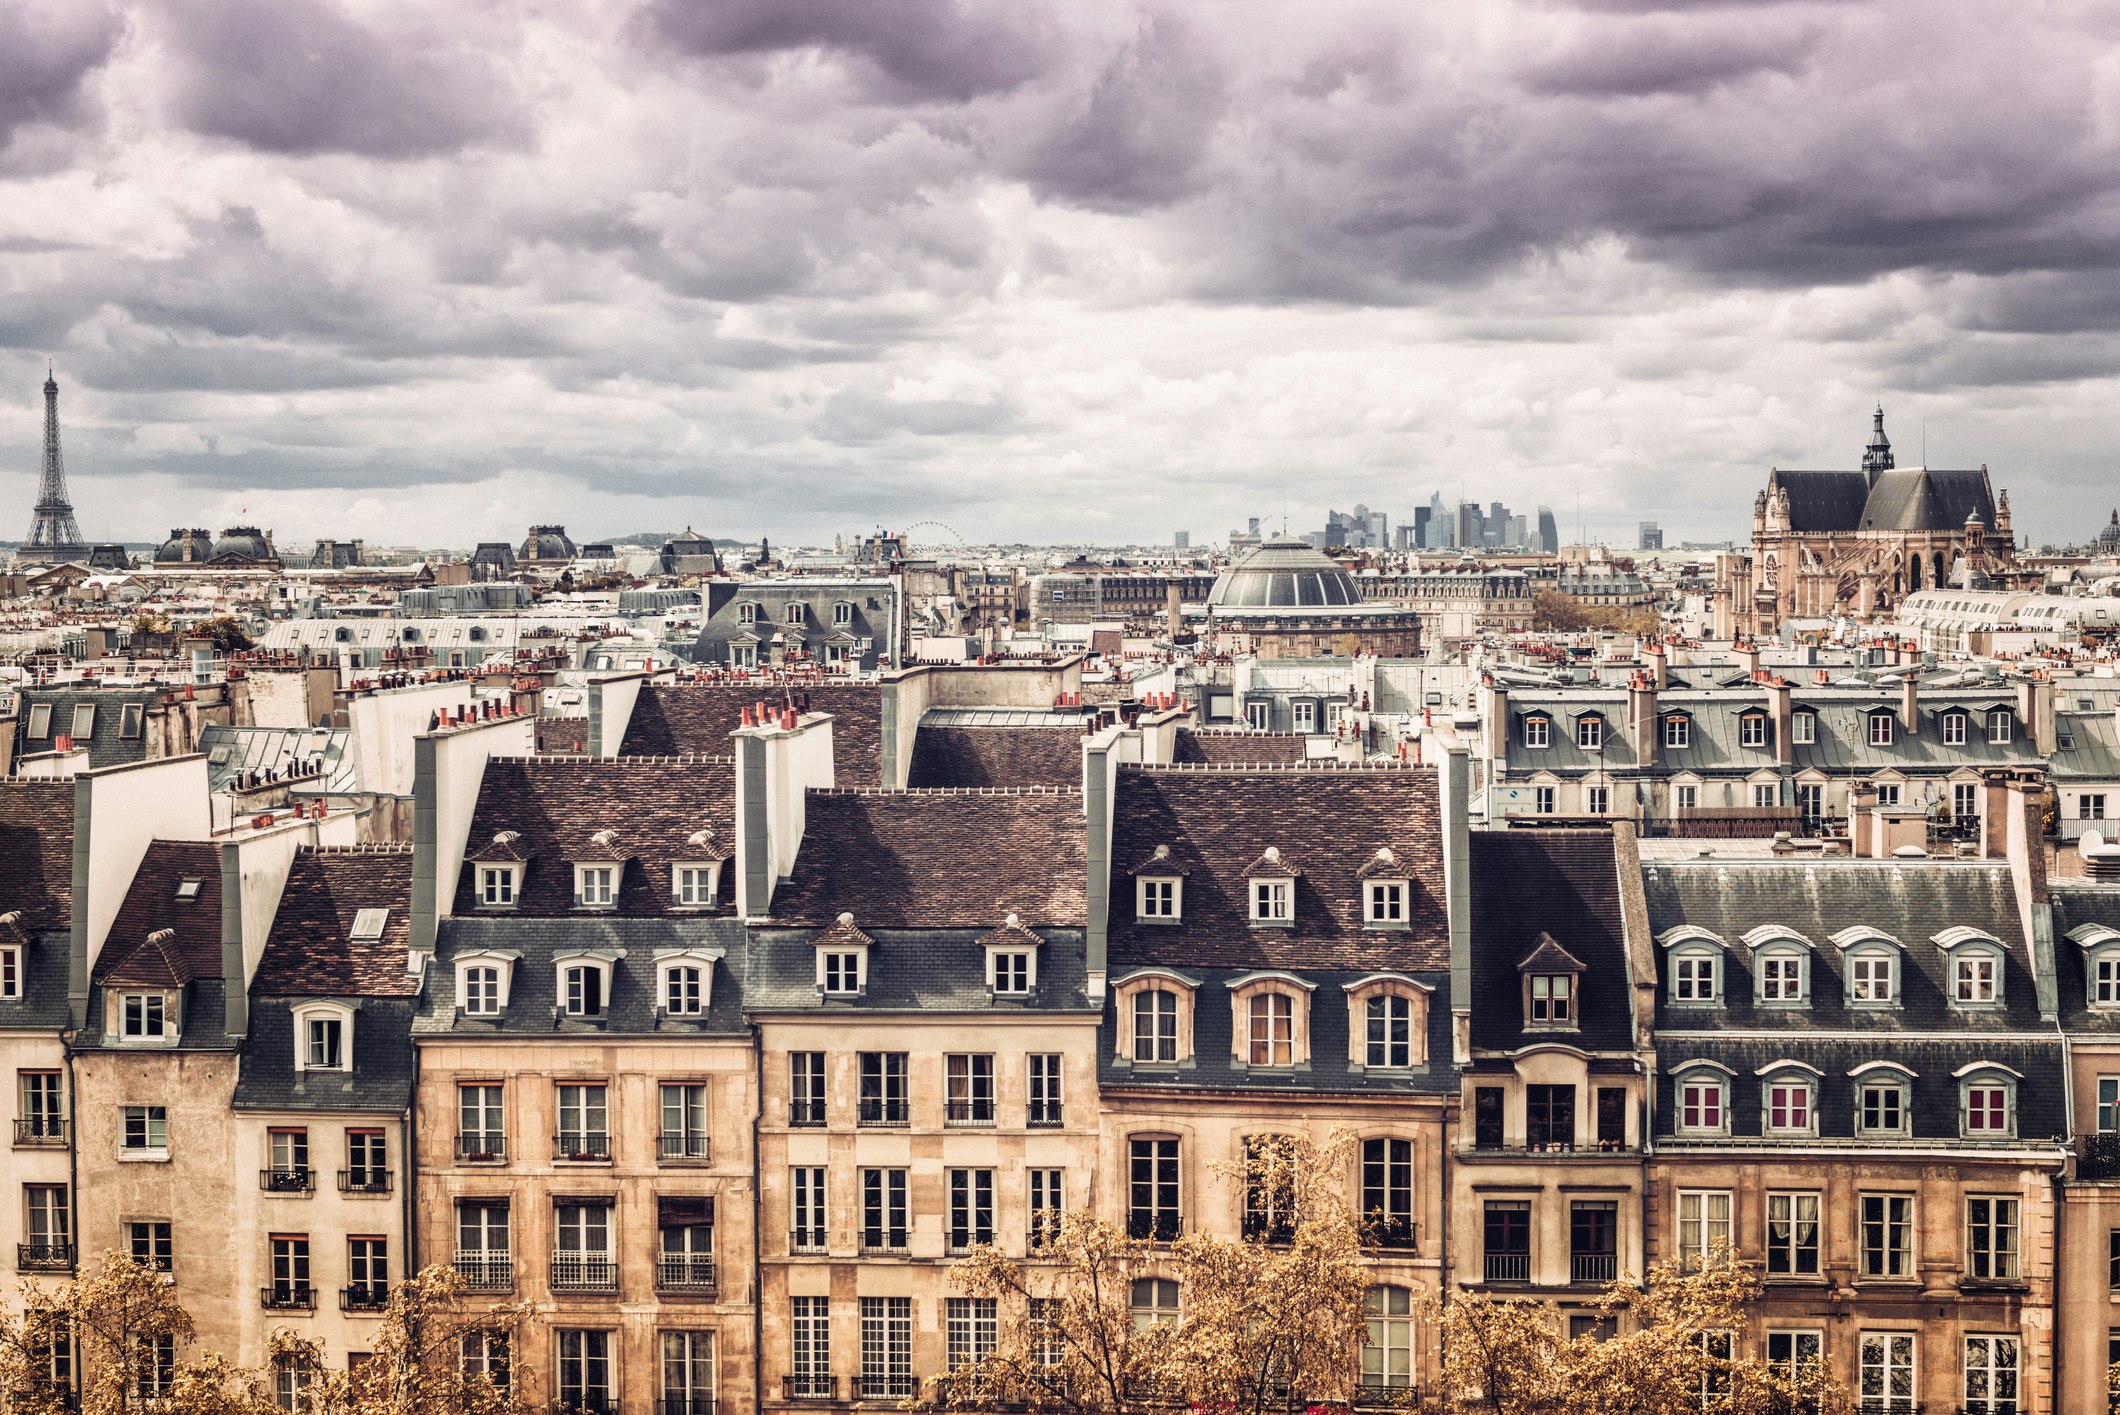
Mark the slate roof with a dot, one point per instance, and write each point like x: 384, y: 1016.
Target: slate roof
x: 1328, y: 819
x: 2086, y: 748
x: 695, y: 719
x: 105, y: 746
x: 37, y: 851
x: 557, y: 804
x: 2078, y: 902
x: 997, y: 756
x: 533, y: 1002
x: 1822, y: 501
x: 1535, y: 894
x: 43, y: 1004
x: 1212, y: 1067
x: 914, y: 970
x: 134, y: 952
x: 938, y: 859
x: 1914, y: 499
x: 380, y: 1078
x: 233, y: 750
x: 311, y: 951
x: 1235, y: 747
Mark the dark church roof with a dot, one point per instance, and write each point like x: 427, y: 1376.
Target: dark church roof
x: 1881, y: 498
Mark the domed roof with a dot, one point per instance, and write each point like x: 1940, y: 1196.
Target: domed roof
x: 1284, y: 573
x: 200, y: 543
x: 547, y: 543
x: 243, y: 540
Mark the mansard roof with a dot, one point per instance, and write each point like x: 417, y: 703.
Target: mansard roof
x: 1540, y: 897
x: 633, y: 946
x: 37, y: 851
x: 311, y: 950
x: 157, y: 938
x: 947, y: 753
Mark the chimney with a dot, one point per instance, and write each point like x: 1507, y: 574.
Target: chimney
x: 1658, y: 660
x: 1995, y: 822
x: 1784, y: 728
x: 1910, y: 706
x: 1173, y: 609
x: 1456, y: 782
x: 1745, y: 654
x: 2035, y: 711
x: 1642, y: 719
x: 1864, y: 831
x: 779, y: 758
x: 2027, y: 857
x: 1494, y: 718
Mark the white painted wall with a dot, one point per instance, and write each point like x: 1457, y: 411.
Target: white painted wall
x: 128, y: 806
x: 460, y: 755
x: 382, y: 726
x: 259, y: 860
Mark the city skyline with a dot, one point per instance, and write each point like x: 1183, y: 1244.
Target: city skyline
x: 1042, y: 273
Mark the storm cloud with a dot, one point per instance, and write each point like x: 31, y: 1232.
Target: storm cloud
x: 1097, y: 270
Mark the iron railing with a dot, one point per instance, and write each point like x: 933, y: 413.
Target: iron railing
x: 584, y: 1272
x: 684, y: 1145
x: 481, y: 1146
x: 298, y: 1180
x: 684, y: 1272
x: 486, y: 1271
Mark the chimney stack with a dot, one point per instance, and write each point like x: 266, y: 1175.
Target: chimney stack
x: 1910, y: 706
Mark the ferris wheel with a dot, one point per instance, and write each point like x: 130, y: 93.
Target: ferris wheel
x: 912, y: 536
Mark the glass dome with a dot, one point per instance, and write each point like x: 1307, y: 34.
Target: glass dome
x: 1284, y: 574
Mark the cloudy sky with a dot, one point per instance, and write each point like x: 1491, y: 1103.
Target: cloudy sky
x: 427, y: 270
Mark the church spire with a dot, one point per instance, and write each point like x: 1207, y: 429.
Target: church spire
x: 1877, y: 457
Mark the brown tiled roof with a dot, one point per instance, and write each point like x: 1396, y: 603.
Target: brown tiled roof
x: 505, y: 847
x: 1217, y: 820
x: 1237, y: 747
x: 557, y: 804
x: 1549, y: 957
x: 842, y: 932
x: 671, y: 719
x: 1010, y: 933
x: 37, y: 852
x: 1271, y: 864
x: 996, y: 756
x: 159, y: 940
x: 568, y: 735
x: 938, y: 859
x: 311, y: 951
x: 1387, y: 863
x: 1160, y: 861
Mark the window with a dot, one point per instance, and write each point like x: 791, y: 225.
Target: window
x: 1507, y: 1240
x: 1549, y: 1117
x: 581, y: 1257
x: 842, y: 612
x: 883, y: 1097
x: 585, y: 1370
x: 685, y: 1260
x: 1387, y: 1344
x: 1388, y: 1031
x: 287, y: 1149
x: 1305, y: 715
x: 1880, y: 729
x: 1157, y: 897
x: 290, y: 1272
x: 1538, y: 732
x: 1987, y: 1110
x: 1593, y: 1240
x: 1258, y: 712
x: 483, y: 1255
x: 1590, y: 733
x: 1693, y: 976
x: 883, y: 1211
x: 1552, y: 999
x: 1781, y: 977
x: 582, y: 987
x: 1387, y: 1192
x: 1155, y: 1025
x: 687, y: 1373
x: 1974, y: 979
x: 1487, y: 1118
x: 1881, y: 1107
x: 1789, y: 1109
x: 886, y: 1347
x: 1870, y: 977
x: 1597, y: 800
x: 839, y: 973
x: 584, y: 1122
x: 1269, y: 1192
x: 1152, y: 1188
x: 1991, y: 1375
x: 1888, y: 794
x: 1795, y: 1355
x: 698, y: 886
x: 1998, y: 726
x: 806, y: 1105
x: 1678, y: 732
x: 806, y: 1232
x: 155, y: 1368
x: 1042, y: 1075
x: 1270, y: 900
x: 146, y: 1129
x: 480, y: 1127
x: 593, y: 886
x: 40, y: 720
x: 1886, y: 1238
x: 1611, y: 1118
x: 1384, y: 903
x: 1271, y: 1029
x: 684, y: 1121
x: 481, y: 990
x: 1685, y: 797
x: 1763, y: 795
x: 1703, y: 1226
x: 367, y: 1272
x: 151, y: 1244
x: 1965, y: 802
x: 50, y: 1227
x: 1885, y: 1373
x: 1543, y: 801
x: 2090, y: 806
x: 684, y: 992
x: 1792, y: 1235
x: 810, y: 1347
x: 971, y: 1209
x: 1046, y: 1196
x: 1803, y: 729
x: 496, y: 886
x: 367, y: 1166
x: 794, y: 614
x: 1700, y: 1103
x: 1954, y: 729
x: 43, y: 1112
x: 323, y: 1043
x: 1752, y: 730
x: 84, y: 722
x: 969, y: 1081
x: 1154, y: 1301
x: 10, y: 974
x: 144, y: 1014
x: 1811, y: 803
x: 1991, y: 1239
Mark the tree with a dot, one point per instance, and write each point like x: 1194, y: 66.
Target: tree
x: 1554, y: 612
x: 433, y: 1352
x: 226, y: 634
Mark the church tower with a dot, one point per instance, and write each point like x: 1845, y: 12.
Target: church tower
x: 1877, y: 457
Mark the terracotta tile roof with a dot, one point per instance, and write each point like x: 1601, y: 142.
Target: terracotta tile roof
x: 1010, y: 934
x: 1546, y: 956
x: 671, y: 719
x: 1238, y: 747
x: 1218, y: 820
x: 1160, y: 861
x: 506, y: 847
x: 1271, y: 864
x: 938, y: 859
x: 557, y: 805
x: 311, y: 951
x: 842, y: 932
x: 996, y: 756
x: 157, y: 939
x: 37, y: 851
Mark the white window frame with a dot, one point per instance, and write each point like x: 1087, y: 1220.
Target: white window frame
x: 1712, y: 1221
x: 11, y: 973
x: 1990, y: 1346
x: 2000, y: 727
x: 82, y: 726
x: 502, y: 964
x: 832, y: 977
x: 1752, y: 729
x: 1023, y: 969
x: 1774, y: 980
x: 1900, y: 1086
x: 1803, y: 729
x: 323, y: 1012
x: 1976, y: 971
x: 39, y: 726
x: 2090, y: 806
x: 1179, y: 1001
x: 504, y: 880
x: 1864, y: 960
x: 1159, y: 898
x: 1907, y: 1230
x: 1272, y: 900
x: 164, y: 1011
x: 1544, y: 800
x: 1538, y: 732
x: 1678, y: 732
x: 1304, y: 714
x: 1984, y: 1083
x: 1590, y: 732
x: 1685, y: 796
x: 1880, y: 729
x: 1695, y: 1087
x: 1597, y: 800
x: 596, y: 885
x: 1954, y: 729
x: 1687, y: 968
x: 1879, y: 1356
x: 668, y: 967
x: 1888, y: 793
x: 2102, y: 976
x: 696, y: 884
x: 1798, y: 1092
x: 566, y: 964
x: 1384, y: 901
x: 2002, y: 1227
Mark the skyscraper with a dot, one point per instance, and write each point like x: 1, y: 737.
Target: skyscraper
x: 1549, y: 536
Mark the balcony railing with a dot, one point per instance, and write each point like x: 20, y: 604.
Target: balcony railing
x: 684, y: 1145
x: 884, y: 1241
x: 968, y: 1114
x: 364, y: 1297
x: 1508, y: 1267
x: 1045, y: 1117
x: 582, y: 1145
x: 44, y: 1257
x: 964, y: 1240
x: 298, y: 1180
x: 805, y: 1114
x: 484, y: 1271
x: 2098, y: 1157
x: 1393, y: 1233
x: 883, y: 1112
x: 894, y: 1385
x: 806, y: 1240
x: 584, y: 1272
x: 40, y: 1132
x: 1593, y: 1267
x: 687, y: 1405
x: 481, y: 1146
x: 1156, y: 1226
x: 364, y: 1181
x: 684, y: 1272
x: 809, y: 1388
x: 1373, y: 1394
x: 288, y: 1297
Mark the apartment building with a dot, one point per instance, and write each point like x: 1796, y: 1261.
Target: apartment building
x: 38, y: 1220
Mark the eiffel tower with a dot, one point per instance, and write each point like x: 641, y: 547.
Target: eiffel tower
x: 54, y: 537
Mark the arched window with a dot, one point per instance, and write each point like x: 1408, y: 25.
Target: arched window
x: 1789, y: 1100
x: 1703, y: 1104
x: 1156, y: 1025
x: 1998, y: 725
x: 1883, y: 1100
x: 1783, y: 975
x: 794, y: 614
x: 1987, y: 1101
x: 1272, y: 1031
x: 1696, y: 975
x: 747, y: 613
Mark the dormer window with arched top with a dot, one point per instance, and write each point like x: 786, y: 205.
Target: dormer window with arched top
x: 1781, y: 967
x: 1976, y: 967
x: 1701, y: 1098
x: 1678, y: 731
x: 1694, y: 973
x: 1538, y: 731
x: 1884, y: 1100
x: 323, y: 1035
x: 1999, y: 725
x: 794, y: 613
x: 584, y: 982
x: 1872, y: 965
x: 483, y: 980
x: 843, y: 612
x: 1953, y: 725
x: 684, y: 981
x: 747, y: 614
x: 1880, y: 727
x: 1788, y: 1098
x: 1387, y: 1022
x: 2101, y: 964
x: 1270, y: 1017
x: 1987, y: 1100
x: 1154, y: 1009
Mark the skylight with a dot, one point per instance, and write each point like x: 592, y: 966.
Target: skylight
x: 368, y: 923
x: 188, y: 889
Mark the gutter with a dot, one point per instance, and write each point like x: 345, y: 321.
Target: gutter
x: 411, y: 1146
x: 758, y: 1300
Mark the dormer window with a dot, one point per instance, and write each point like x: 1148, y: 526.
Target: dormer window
x: 1752, y: 730
x: 584, y: 986
x: 1954, y: 729
x: 1803, y: 728
x: 1696, y: 975
x: 1011, y: 959
x: 1882, y: 1104
x: 794, y: 614
x: 1384, y: 903
x: 324, y: 1037
x: 843, y: 613
x: 747, y: 613
x: 685, y: 982
x: 1538, y: 732
x: 1549, y: 973
x: 1154, y: 1011
x: 1976, y: 966
x: 1789, y: 1099
x: 2101, y: 963
x: 482, y: 982
x: 1873, y: 976
x: 368, y: 924
x: 1271, y: 1019
x: 10, y: 973
x: 840, y: 972
x: 1987, y: 1101
x: 1998, y: 725
x: 144, y: 1016
x: 1881, y: 728
x: 84, y: 724
x: 696, y: 884
x: 1590, y: 733
x: 1782, y: 975
x: 842, y: 958
x: 1387, y: 1022
x: 1703, y: 1101
x: 1678, y: 731
x: 595, y: 886
x: 1158, y: 898
x: 1270, y: 901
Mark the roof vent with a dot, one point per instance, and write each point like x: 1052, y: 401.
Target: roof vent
x: 1012, y: 922
x: 1163, y: 852
x: 1384, y: 854
x: 1910, y: 852
x: 847, y: 918
x: 1704, y: 852
x: 1273, y: 853
x: 506, y: 837
x: 604, y: 837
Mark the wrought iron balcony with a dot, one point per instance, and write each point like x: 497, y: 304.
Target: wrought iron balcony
x: 965, y: 1115
x: 288, y: 1297
x: 584, y: 1272
x: 684, y: 1272
x: 364, y: 1181
x: 883, y: 1112
x: 805, y: 1114
x: 809, y: 1389
x: 486, y: 1271
x: 688, y: 1405
x: 40, y: 1132
x: 806, y: 1240
x: 684, y: 1145
x: 1045, y: 1116
x: 2098, y: 1157
x: 1157, y: 1226
x: 589, y: 1145
x: 287, y: 1181
x: 1593, y: 1267
x: 44, y: 1257
x: 1508, y: 1267
x: 364, y: 1297
x: 481, y: 1146
x: 886, y: 1241
x: 894, y: 1385
x: 1392, y: 1233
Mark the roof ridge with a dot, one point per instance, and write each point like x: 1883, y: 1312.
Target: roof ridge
x: 945, y: 791
x: 1321, y: 765
x: 630, y: 759
x: 368, y: 847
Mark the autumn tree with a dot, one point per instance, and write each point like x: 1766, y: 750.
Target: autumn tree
x: 433, y: 1352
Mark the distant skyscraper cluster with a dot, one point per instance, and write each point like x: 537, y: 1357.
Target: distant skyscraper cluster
x: 1438, y: 526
